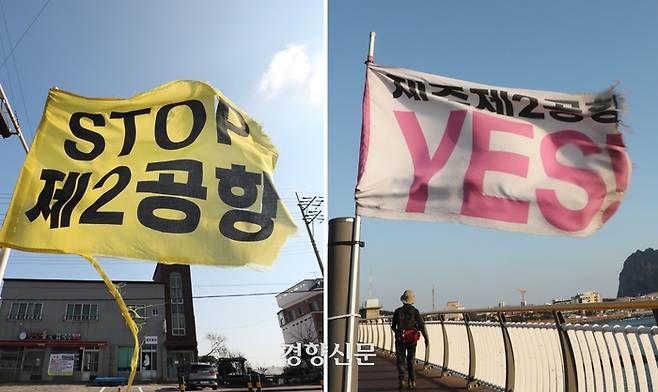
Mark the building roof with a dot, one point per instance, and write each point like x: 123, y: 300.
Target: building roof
x: 306, y: 284
x: 302, y: 290
x: 78, y: 280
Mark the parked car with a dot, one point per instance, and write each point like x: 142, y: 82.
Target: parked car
x: 198, y: 375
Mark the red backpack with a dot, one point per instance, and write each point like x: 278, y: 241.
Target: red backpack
x: 410, y: 336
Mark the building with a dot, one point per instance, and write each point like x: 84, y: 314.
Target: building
x: 301, y: 312
x: 580, y: 298
x: 372, y: 309
x: 72, y: 330
x: 586, y: 297
x: 180, y: 343
x: 454, y: 305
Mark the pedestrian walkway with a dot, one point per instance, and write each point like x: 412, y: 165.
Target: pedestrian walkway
x: 383, y: 377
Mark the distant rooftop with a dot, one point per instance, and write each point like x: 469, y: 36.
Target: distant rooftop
x: 307, y: 287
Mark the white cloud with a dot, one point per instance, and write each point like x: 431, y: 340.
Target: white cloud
x: 291, y: 71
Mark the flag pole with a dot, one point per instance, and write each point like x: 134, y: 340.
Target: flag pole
x: 4, y: 252
x: 354, y: 273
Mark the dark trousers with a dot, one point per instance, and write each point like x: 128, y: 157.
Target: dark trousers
x: 406, y: 358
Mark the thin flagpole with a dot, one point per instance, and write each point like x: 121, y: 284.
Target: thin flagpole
x: 14, y: 120
x: 354, y: 273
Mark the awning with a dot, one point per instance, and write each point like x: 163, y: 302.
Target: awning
x: 51, y: 343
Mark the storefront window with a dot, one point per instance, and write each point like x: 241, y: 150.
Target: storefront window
x: 149, y: 357
x: 9, y: 359
x: 123, y: 358
x: 90, y: 361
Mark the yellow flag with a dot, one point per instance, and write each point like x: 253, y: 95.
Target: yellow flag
x: 177, y: 174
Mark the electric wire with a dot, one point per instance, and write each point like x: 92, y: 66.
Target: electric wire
x: 11, y: 52
x: 126, y: 298
x: 18, y: 76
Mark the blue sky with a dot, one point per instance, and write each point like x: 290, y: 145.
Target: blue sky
x: 266, y: 56
x: 559, y: 46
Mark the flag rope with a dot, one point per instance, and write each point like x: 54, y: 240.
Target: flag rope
x: 125, y: 312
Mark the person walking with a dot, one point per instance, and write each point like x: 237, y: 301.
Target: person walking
x: 407, y: 327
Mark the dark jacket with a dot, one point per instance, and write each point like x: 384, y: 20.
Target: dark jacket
x: 407, y: 316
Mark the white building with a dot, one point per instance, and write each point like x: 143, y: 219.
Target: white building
x: 301, y: 312
x: 587, y: 297
x: 372, y: 308
x: 454, y: 305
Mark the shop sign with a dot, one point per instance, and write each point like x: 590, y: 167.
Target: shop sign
x: 61, y: 364
x: 44, y: 335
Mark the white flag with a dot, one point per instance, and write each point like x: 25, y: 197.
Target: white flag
x: 441, y: 149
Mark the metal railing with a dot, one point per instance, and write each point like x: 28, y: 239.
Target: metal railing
x: 522, y: 356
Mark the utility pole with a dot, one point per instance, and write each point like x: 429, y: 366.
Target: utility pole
x: 433, y: 298
x: 522, y: 292
x: 311, y: 211
x: 5, y: 107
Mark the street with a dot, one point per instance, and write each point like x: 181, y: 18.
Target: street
x: 136, y: 388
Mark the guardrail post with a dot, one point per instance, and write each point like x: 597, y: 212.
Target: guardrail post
x: 471, y: 352
x: 446, y: 350
x: 377, y: 339
x: 392, y: 351
x: 568, y: 359
x: 509, y: 354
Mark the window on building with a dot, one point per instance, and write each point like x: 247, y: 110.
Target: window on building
x: 176, y: 287
x: 315, y: 306
x: 154, y: 312
x: 90, y: 360
x: 177, y: 324
x: 149, y: 357
x: 124, y: 356
x: 282, y: 319
x: 9, y: 360
x: 81, y: 312
x: 25, y: 311
x: 177, y: 309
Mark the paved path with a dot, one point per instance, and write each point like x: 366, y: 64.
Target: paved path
x: 383, y: 377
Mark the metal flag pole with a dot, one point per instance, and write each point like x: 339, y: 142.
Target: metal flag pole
x: 354, y: 273
x: 4, y: 252
x: 13, y: 118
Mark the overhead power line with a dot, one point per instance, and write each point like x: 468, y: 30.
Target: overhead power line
x: 11, y: 52
x: 18, y: 75
x: 209, y: 296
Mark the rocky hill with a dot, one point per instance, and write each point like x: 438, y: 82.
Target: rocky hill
x: 639, y: 275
